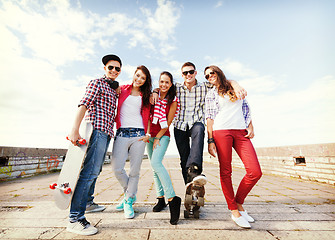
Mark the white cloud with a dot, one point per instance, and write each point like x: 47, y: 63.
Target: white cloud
x: 302, y: 116
x: 162, y: 23
x: 218, y: 4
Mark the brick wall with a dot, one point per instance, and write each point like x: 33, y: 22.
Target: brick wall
x: 314, y: 162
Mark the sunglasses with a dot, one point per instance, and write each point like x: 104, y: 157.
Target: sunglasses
x: 207, y: 75
x: 110, y: 68
x: 188, y: 72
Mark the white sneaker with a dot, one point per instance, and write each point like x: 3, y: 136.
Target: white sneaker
x: 82, y: 227
x: 93, y: 207
x: 247, y: 216
x: 200, y: 180
x: 241, y: 222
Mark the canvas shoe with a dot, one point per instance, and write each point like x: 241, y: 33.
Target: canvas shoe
x: 247, y: 216
x: 200, y: 180
x: 120, y: 206
x: 82, y: 227
x: 241, y: 222
x: 128, y: 208
x: 93, y: 207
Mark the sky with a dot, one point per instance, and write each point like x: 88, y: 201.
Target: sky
x: 281, y: 52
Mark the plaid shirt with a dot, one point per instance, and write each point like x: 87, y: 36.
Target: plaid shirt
x: 212, y: 107
x: 100, y: 100
x: 192, y: 105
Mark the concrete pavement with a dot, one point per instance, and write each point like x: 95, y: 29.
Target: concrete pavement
x: 284, y: 208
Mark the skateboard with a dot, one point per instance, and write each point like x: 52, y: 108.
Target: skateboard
x: 68, y: 177
x: 194, y: 198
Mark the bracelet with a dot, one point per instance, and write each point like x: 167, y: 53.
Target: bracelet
x: 155, y: 92
x: 158, y: 138
x: 210, y: 140
x: 148, y: 134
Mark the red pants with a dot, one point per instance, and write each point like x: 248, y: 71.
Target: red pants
x: 225, y: 140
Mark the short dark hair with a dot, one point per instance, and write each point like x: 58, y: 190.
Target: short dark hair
x: 188, y: 64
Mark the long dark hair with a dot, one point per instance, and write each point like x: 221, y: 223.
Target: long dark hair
x: 224, y: 86
x: 147, y: 86
x: 172, y: 91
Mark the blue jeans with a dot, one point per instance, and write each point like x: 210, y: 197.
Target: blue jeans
x: 161, y: 176
x: 94, y: 159
x: 190, y: 154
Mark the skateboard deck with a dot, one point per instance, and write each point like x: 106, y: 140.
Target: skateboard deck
x: 194, y: 199
x: 68, y: 177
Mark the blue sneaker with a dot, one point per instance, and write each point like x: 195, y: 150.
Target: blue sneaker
x: 128, y: 208
x: 120, y: 206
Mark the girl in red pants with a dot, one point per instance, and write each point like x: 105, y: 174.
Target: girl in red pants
x: 229, y: 126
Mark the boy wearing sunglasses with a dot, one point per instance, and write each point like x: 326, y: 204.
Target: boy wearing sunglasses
x: 190, y: 122
x: 99, y: 102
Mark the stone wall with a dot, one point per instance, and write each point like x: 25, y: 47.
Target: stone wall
x: 314, y: 162
x: 23, y: 162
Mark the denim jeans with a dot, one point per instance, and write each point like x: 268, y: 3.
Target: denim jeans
x: 127, y: 145
x: 94, y: 159
x: 162, y: 178
x: 190, y: 153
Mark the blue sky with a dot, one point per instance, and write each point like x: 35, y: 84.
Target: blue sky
x: 281, y: 52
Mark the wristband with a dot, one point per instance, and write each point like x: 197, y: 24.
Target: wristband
x: 210, y: 140
x: 155, y: 92
x: 148, y: 134
x: 158, y: 138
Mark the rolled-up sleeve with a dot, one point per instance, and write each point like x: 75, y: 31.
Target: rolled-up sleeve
x: 212, y: 104
x: 246, y: 112
x: 92, y: 91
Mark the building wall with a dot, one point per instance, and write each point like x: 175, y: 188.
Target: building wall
x: 310, y: 162
x: 23, y: 162
x: 314, y: 162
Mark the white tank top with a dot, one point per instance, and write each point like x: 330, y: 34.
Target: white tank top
x: 230, y: 115
x: 130, y: 112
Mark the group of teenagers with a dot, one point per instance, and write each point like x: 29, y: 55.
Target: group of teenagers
x: 143, y: 117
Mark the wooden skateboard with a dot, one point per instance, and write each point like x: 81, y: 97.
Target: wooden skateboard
x: 194, y: 198
x: 68, y: 177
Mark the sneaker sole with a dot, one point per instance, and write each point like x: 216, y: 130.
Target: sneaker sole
x: 199, y: 181
x: 95, y: 210
x: 81, y: 232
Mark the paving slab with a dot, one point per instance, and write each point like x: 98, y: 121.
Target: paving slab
x: 284, y: 208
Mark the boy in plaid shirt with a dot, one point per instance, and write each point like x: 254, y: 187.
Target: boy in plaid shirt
x: 99, y: 102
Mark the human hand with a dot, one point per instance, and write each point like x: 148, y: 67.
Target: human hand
x: 250, y: 132
x: 212, y: 149
x: 156, y: 142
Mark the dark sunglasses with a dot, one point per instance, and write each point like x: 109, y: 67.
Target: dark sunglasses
x: 110, y: 68
x: 207, y: 76
x: 188, y: 72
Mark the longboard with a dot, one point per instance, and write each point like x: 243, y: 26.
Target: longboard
x: 68, y: 177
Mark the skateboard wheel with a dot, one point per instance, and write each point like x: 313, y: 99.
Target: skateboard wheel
x: 201, y: 201
x: 188, y: 199
x: 53, y: 186
x: 186, y: 214
x: 67, y: 190
x: 82, y: 141
x: 196, y: 214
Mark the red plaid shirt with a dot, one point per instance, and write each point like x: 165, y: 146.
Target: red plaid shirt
x: 100, y: 100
